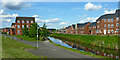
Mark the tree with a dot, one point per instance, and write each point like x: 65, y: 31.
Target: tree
x: 33, y: 30
x: 43, y: 33
x: 25, y: 31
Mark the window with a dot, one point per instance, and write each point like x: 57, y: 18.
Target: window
x: 104, y: 20
x: 18, y: 21
x: 112, y: 20
x: 27, y: 26
x: 18, y: 31
x: 112, y: 25
x: 31, y: 21
x: 22, y: 21
x: 117, y: 19
x: 18, y: 26
x: 112, y: 31
x: 108, y: 31
x: 108, y: 25
x: 117, y: 30
x: 27, y: 21
x: 22, y: 26
x: 105, y: 25
x: 108, y: 20
x: 117, y: 24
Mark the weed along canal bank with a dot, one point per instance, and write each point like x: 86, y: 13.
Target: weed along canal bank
x: 94, y: 47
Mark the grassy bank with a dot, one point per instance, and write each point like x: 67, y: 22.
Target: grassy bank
x: 14, y: 49
x: 103, y: 41
x: 80, y: 52
x: 27, y: 38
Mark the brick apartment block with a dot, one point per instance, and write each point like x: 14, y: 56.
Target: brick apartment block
x: 109, y: 23
x: 92, y: 28
x: 105, y: 24
x: 82, y: 28
x: 16, y: 28
x: 21, y: 21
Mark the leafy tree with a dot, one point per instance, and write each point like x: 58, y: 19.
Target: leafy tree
x: 43, y: 33
x: 33, y: 30
x: 25, y: 31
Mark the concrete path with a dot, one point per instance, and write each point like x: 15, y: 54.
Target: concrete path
x: 49, y: 50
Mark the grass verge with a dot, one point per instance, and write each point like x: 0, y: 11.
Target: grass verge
x: 27, y: 38
x: 14, y: 49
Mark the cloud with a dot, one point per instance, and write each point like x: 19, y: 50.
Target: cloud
x: 47, y: 20
x: 14, y: 4
x: 91, y: 7
x: 7, y: 17
x: 82, y: 16
x: 109, y: 12
x: 89, y: 19
x: 63, y: 23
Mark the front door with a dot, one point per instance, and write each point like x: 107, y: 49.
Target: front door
x: 104, y: 31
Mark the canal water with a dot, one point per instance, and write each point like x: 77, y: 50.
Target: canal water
x: 88, y: 48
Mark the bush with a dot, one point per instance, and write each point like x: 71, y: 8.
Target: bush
x: 4, y: 32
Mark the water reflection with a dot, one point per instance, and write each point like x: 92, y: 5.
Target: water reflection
x: 84, y: 47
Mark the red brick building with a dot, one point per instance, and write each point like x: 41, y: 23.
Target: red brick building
x: 20, y: 22
x: 109, y: 23
x: 82, y: 28
x: 92, y: 28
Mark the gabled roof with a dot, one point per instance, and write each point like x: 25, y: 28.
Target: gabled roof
x: 106, y: 16
x: 25, y: 18
x: 80, y: 25
x: 73, y: 26
x: 92, y: 24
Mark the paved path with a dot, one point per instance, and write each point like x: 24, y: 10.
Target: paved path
x: 49, y: 50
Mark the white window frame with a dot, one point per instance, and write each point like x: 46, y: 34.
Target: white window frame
x: 31, y: 21
x: 108, y: 31
x: 108, y: 20
x: 112, y: 20
x: 18, y: 31
x: 117, y: 19
x: 22, y: 21
x: 18, y: 21
x: 112, y: 25
x: 112, y: 31
x: 27, y: 26
x: 117, y: 30
x: 27, y: 21
x: 18, y: 26
x: 22, y: 26
x: 117, y: 24
x: 104, y: 25
x: 104, y: 20
x: 108, y: 25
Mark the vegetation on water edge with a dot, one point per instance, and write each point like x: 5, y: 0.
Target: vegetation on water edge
x: 81, y: 52
x: 14, y: 49
x: 110, y: 42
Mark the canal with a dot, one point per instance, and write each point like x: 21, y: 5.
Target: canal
x: 88, y: 48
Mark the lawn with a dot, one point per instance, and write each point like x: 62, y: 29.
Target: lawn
x: 103, y: 41
x: 14, y: 49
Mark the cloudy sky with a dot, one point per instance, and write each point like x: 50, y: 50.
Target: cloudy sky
x: 54, y: 14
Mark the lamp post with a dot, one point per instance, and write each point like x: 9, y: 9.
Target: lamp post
x: 37, y: 37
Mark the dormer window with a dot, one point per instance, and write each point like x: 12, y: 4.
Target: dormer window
x: 22, y: 21
x: 27, y: 21
x: 18, y: 21
x: 31, y: 21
